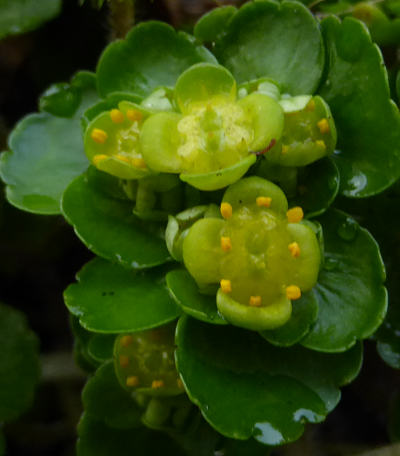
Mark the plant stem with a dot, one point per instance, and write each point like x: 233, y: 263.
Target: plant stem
x: 121, y: 17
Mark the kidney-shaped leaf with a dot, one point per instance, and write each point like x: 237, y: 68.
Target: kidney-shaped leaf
x: 111, y: 299
x: 351, y: 297
x: 246, y: 387
x: 368, y: 122
x: 153, y: 54
x: 278, y: 40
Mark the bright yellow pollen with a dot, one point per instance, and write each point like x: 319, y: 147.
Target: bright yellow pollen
x: 226, y: 243
x: 263, y: 201
x: 255, y: 301
x: 126, y: 341
x: 98, y: 158
x: 99, y: 136
x: 226, y: 210
x: 294, y: 249
x: 295, y: 214
x: 132, y: 381
x: 138, y: 163
x: 123, y: 360
x: 116, y: 116
x: 310, y: 105
x: 226, y: 286
x: 157, y: 384
x: 134, y: 115
x: 293, y: 292
x: 320, y: 143
x: 122, y: 158
x: 323, y: 126
x: 285, y: 149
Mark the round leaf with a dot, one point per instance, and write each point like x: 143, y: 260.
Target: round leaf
x: 111, y: 299
x: 357, y: 91
x: 19, y: 364
x: 186, y: 294
x: 153, y: 54
x: 246, y: 387
x: 108, y: 227
x: 351, y: 297
x: 213, y: 23
x: 46, y: 154
x: 278, y: 40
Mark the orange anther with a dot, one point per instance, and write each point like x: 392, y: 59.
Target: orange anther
x: 226, y: 243
x: 116, y: 116
x: 255, y: 301
x: 263, y: 201
x: 132, y: 381
x: 294, y: 249
x: 226, y: 210
x: 295, y: 214
x: 293, y: 292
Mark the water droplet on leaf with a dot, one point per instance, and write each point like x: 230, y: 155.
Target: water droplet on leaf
x: 348, y: 229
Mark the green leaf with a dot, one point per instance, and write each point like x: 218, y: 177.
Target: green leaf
x: 2, y: 443
x: 97, y: 439
x: 357, y: 91
x: 19, y: 364
x: 152, y: 55
x: 111, y: 299
x: 186, y: 294
x: 246, y: 387
x: 304, y: 314
x: 108, y: 227
x: 210, y: 26
x: 46, y: 154
x: 278, y: 40
x: 101, y: 346
x: 20, y: 16
x: 104, y: 398
x: 351, y: 297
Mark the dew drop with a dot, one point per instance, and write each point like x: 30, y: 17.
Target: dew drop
x: 348, y: 229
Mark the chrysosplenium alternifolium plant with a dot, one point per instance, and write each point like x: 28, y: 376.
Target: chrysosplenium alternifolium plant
x: 213, y: 162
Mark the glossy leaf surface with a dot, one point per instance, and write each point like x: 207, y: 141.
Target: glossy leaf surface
x: 278, y: 40
x: 246, y: 387
x: 108, y: 227
x: 111, y: 299
x: 351, y: 297
x: 368, y: 122
x: 210, y: 26
x: 153, y: 54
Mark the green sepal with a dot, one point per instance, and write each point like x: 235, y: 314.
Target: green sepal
x: 128, y: 65
x: 82, y: 337
x: 210, y: 26
x: 186, y: 294
x: 351, y: 297
x: 60, y: 99
x: 272, y: 316
x: 271, y: 39
x: 265, y: 86
x: 246, y: 387
x: 108, y: 227
x: 356, y: 83
x: 161, y: 99
x: 111, y: 299
x: 100, y: 347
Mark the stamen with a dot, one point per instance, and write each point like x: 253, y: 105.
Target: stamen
x: 285, y: 149
x: 132, y: 381
x: 126, y: 341
x: 98, y: 158
x: 123, y: 360
x: 294, y: 249
x: 123, y: 158
x: 323, y: 126
x: 226, y: 243
x: 295, y: 214
x: 138, y: 163
x: 310, y: 105
x: 320, y: 143
x: 157, y: 384
x: 116, y: 116
x: 99, y: 136
x: 226, y: 210
x: 263, y: 201
x: 255, y: 301
x: 226, y: 286
x: 293, y: 292
x: 134, y: 115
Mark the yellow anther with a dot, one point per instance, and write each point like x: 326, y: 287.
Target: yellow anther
x: 123, y: 360
x: 293, y: 292
x: 263, y: 201
x: 323, y: 126
x: 179, y: 382
x: 132, y: 381
x: 226, y: 210
x: 98, y: 158
x: 226, y: 285
x: 138, y: 163
x: 310, y: 105
x: 116, y: 116
x: 255, y: 301
x: 134, y: 115
x: 295, y: 214
x: 320, y: 143
x: 123, y: 158
x: 126, y: 341
x: 226, y: 243
x: 157, y: 384
x: 294, y: 249
x: 285, y: 149
x: 99, y: 136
